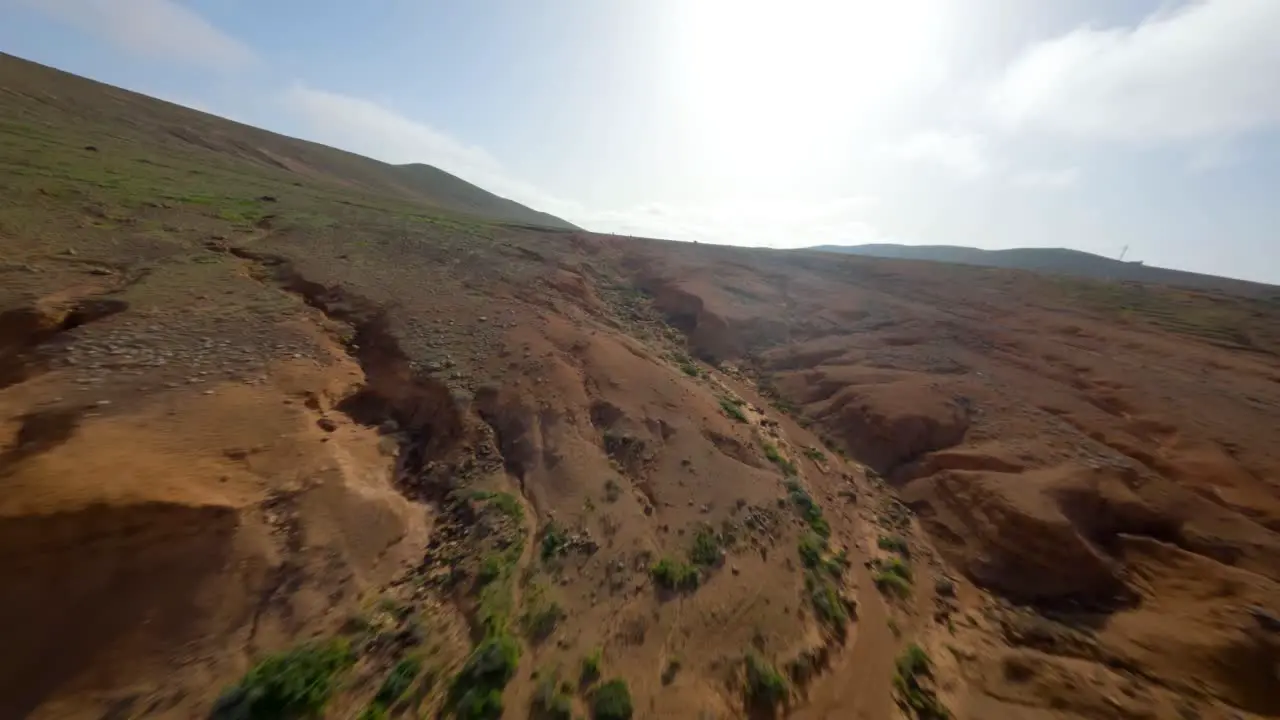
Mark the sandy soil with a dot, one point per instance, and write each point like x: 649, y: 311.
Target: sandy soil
x: 195, y: 480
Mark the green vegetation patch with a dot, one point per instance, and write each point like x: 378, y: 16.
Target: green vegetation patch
x: 812, y: 546
x: 815, y: 454
x: 808, y: 508
x: 829, y: 607
x: 706, y: 547
x: 294, y: 684
x: 674, y: 575
x: 494, y: 580
x: 733, y: 409
x: 893, y: 577
x: 373, y: 712
x: 912, y: 668
x: 837, y: 564
x: 611, y: 701
x: 766, y: 688
x: 398, y: 681
x: 476, y: 693
x: 894, y: 543
x: 554, y: 540
x: 503, y: 503
x: 771, y: 453
x: 590, y: 668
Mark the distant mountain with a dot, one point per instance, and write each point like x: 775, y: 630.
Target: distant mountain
x: 54, y: 101
x: 1061, y: 261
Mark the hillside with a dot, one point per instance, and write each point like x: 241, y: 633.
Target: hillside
x: 1061, y: 261
x: 42, y: 103
x: 280, y: 438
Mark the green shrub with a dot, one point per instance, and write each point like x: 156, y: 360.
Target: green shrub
x: 828, y: 606
x: 766, y: 688
x: 590, y: 668
x: 293, y: 684
x: 373, y: 712
x: 808, y: 508
x: 913, y: 661
x: 508, y: 505
x: 891, y: 583
x: 912, y: 666
x: 815, y: 454
x: 894, y: 543
x: 706, y: 547
x: 688, y: 368
x: 494, y: 607
x: 476, y: 692
x: 771, y: 453
x: 479, y: 705
x: 554, y: 540
x: 492, y: 567
x: 896, y: 566
x: 398, y: 681
x: 835, y: 566
x: 732, y: 409
x: 611, y: 701
x: 812, y: 546
x: 674, y: 575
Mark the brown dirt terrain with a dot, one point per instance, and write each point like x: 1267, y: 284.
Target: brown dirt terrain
x: 245, y: 410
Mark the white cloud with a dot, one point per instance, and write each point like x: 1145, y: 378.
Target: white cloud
x: 1206, y: 69
x: 371, y: 129
x: 961, y: 154
x: 1049, y: 179
x: 156, y: 28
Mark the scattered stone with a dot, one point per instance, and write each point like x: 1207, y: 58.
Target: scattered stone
x: 326, y: 424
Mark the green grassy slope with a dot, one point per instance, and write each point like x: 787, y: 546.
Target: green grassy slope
x: 47, y: 114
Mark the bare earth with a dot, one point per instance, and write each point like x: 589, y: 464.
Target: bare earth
x: 232, y: 426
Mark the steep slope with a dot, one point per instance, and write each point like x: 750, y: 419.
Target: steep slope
x: 1060, y: 261
x: 310, y: 449
x: 41, y: 101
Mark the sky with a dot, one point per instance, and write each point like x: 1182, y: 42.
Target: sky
x: 1090, y: 124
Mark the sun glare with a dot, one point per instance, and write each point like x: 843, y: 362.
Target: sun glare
x: 775, y: 84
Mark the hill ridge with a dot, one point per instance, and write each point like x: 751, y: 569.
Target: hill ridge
x: 1059, y: 260
x: 147, y: 121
